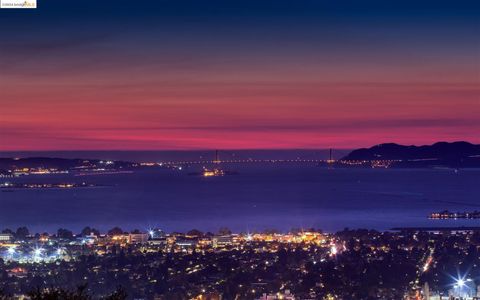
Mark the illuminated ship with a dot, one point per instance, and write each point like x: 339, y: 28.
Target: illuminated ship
x: 212, y: 172
x: 215, y: 170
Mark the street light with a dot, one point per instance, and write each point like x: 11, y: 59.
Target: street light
x: 463, y: 287
x: 37, y: 252
x: 333, y: 250
x: 11, y: 251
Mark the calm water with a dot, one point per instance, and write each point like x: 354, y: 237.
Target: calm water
x: 279, y: 196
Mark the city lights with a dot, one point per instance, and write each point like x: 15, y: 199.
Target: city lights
x: 259, y: 252
x: 37, y: 252
x: 333, y: 250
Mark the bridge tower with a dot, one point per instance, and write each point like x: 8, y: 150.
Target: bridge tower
x: 330, y: 158
x: 217, y: 158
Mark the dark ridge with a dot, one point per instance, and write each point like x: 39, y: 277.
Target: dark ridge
x: 441, y: 154
x: 48, y: 162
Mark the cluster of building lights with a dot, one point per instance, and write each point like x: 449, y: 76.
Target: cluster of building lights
x: 36, y: 254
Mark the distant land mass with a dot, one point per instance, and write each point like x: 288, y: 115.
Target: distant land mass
x: 441, y: 154
x: 389, y: 155
x: 42, y: 165
x: 35, y: 162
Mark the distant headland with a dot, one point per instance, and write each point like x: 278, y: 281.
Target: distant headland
x: 442, y: 154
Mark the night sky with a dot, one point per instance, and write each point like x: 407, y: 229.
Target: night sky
x: 238, y: 74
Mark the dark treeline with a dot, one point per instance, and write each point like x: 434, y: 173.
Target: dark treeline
x: 55, y: 293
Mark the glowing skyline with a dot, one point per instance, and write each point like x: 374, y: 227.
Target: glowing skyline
x: 275, y: 74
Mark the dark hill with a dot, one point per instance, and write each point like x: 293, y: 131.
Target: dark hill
x: 47, y: 162
x: 456, y: 154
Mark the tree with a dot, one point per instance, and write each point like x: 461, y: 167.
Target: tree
x: 224, y: 231
x: 118, y: 294
x: 64, y: 234
x: 8, y: 231
x: 22, y: 233
x: 59, y: 294
x: 115, y: 231
x: 195, y: 232
x: 80, y: 293
x: 4, y: 296
x: 89, y: 231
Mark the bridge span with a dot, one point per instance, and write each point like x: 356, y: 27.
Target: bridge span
x: 243, y: 161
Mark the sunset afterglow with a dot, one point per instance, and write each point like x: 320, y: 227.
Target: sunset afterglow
x: 238, y: 75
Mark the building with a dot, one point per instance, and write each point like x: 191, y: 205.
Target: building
x: 6, y: 237
x: 156, y: 233
x: 138, y: 238
x: 186, y: 242
x: 157, y: 241
x: 222, y: 240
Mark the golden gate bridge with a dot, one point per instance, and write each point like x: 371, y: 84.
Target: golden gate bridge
x: 216, y: 160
